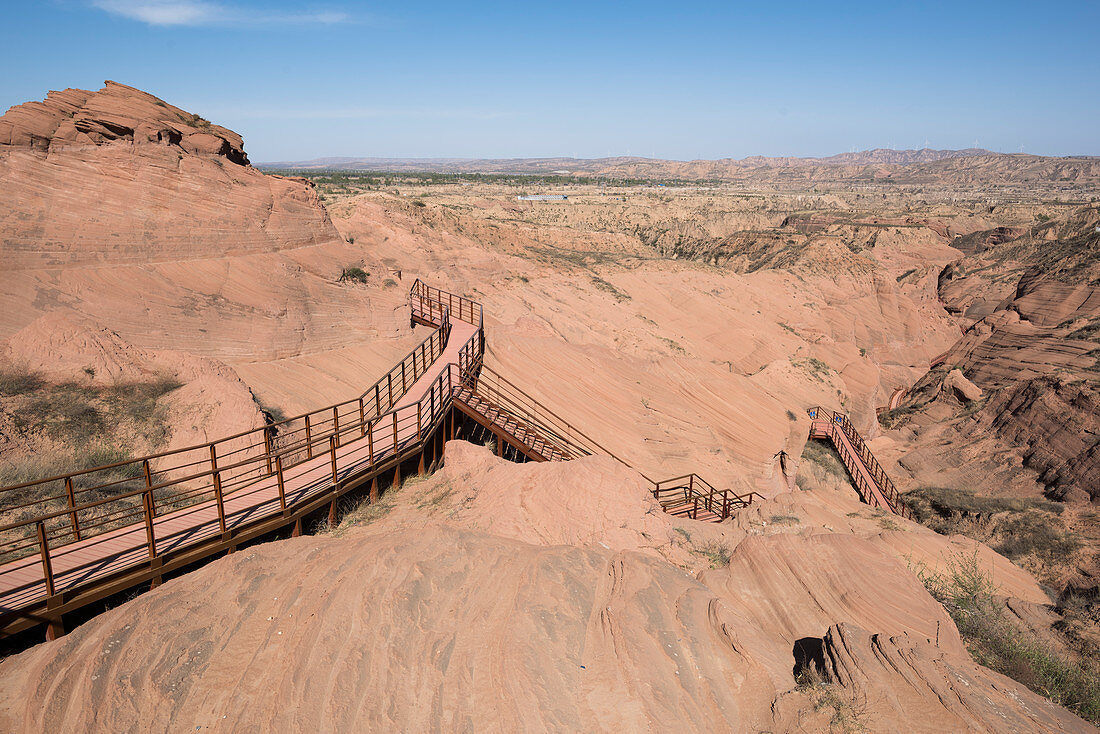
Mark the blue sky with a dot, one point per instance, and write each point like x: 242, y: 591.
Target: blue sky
x: 673, y: 80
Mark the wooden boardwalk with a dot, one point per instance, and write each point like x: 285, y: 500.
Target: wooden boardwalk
x: 208, y: 499
x: 869, y: 478
x: 22, y: 582
x: 32, y: 584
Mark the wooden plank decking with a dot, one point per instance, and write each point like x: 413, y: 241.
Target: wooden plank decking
x: 83, y: 563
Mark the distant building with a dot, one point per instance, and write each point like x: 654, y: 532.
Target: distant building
x: 543, y: 197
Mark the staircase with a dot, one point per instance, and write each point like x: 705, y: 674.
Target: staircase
x: 523, y: 436
x: 77, y: 538
x: 870, y: 479
x: 693, y: 497
x: 519, y: 421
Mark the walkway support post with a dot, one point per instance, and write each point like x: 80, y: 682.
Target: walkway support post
x: 282, y: 486
x: 47, y: 567
x: 309, y: 439
x: 72, y: 506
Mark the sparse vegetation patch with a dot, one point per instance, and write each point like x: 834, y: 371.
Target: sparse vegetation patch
x: 353, y: 274
x: 968, y: 594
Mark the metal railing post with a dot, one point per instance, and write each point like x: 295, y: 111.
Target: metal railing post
x: 309, y: 439
x: 267, y: 450
x: 336, y: 424
x: 370, y: 445
x: 47, y: 567
x: 219, y: 500
x: 149, y: 484
x: 332, y: 455
x: 147, y: 502
x: 362, y: 419
x: 279, y: 476
x: 72, y: 507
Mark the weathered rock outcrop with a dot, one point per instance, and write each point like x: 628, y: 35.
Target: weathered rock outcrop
x: 424, y: 620
x: 903, y: 684
x: 1036, y: 354
x: 119, y: 176
x: 956, y: 384
x: 76, y: 118
x: 148, y: 220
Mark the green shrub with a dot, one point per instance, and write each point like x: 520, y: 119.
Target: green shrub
x: 1033, y: 533
x: 15, y: 381
x: 969, y: 596
x: 354, y: 274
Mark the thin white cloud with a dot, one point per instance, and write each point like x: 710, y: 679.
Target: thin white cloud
x: 202, y: 13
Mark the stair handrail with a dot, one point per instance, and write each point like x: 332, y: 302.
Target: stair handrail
x: 239, y: 466
x: 878, y: 475
x: 567, y: 435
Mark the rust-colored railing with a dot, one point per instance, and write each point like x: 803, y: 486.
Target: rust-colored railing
x: 540, y: 421
x: 251, y: 465
x: 696, y: 493
x: 109, y: 496
x: 490, y: 385
x: 857, y: 457
x: 240, y: 484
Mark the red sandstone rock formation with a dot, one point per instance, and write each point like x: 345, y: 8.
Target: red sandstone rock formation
x: 120, y: 176
x: 467, y: 606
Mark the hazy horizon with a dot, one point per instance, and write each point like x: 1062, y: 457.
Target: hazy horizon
x: 674, y: 160
x: 492, y: 81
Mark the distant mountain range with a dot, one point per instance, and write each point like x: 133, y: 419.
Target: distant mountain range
x: 600, y: 165
x: 972, y: 166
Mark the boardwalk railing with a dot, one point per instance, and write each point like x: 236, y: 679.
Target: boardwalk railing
x: 535, y: 418
x: 870, y: 479
x: 75, y: 538
x: 71, y: 507
x: 695, y: 493
x: 83, y: 527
